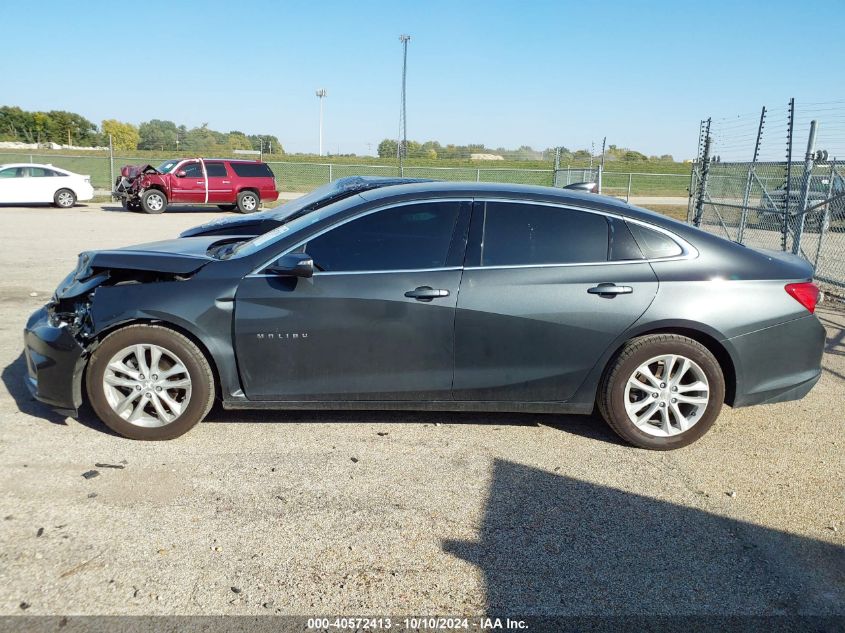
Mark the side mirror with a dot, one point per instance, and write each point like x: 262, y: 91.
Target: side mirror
x: 181, y: 173
x: 292, y: 265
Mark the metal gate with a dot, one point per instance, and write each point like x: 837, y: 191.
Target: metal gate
x: 791, y: 205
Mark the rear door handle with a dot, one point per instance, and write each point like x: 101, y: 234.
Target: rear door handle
x: 609, y: 290
x: 426, y: 293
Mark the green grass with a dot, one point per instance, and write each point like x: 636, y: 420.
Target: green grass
x: 302, y: 173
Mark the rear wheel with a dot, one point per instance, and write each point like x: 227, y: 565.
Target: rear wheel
x: 248, y: 201
x: 153, y: 201
x: 227, y: 207
x: 148, y: 382
x: 662, y: 391
x: 64, y: 199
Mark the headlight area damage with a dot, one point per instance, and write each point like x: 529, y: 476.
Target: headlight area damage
x: 59, y: 338
x: 133, y: 180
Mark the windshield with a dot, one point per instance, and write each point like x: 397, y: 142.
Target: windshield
x: 243, y: 249
x: 167, y: 165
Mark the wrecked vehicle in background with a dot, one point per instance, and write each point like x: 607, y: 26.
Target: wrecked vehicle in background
x: 240, y: 185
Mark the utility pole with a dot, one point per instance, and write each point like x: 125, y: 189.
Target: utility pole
x: 402, y: 142
x: 321, y: 94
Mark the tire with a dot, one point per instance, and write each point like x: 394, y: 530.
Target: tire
x: 248, y: 201
x: 163, y: 414
x: 153, y: 201
x: 614, y: 393
x: 227, y: 207
x: 64, y: 199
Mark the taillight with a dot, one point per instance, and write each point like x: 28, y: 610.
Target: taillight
x: 805, y: 293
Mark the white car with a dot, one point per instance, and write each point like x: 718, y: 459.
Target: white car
x: 32, y: 183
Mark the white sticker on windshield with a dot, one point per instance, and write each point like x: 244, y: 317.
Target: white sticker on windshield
x: 261, y: 239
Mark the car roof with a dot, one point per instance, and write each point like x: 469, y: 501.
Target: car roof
x: 518, y: 192
x: 48, y: 165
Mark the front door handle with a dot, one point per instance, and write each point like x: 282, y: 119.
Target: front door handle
x: 426, y: 293
x: 610, y: 290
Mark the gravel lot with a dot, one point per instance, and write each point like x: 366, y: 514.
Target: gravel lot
x: 401, y: 513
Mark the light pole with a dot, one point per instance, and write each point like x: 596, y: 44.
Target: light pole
x: 321, y: 94
x: 402, y: 142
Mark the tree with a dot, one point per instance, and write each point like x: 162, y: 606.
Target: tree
x: 158, y: 135
x: 124, y: 135
x: 631, y: 155
x: 238, y: 140
x: 387, y: 148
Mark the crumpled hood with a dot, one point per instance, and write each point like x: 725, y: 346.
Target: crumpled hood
x: 252, y: 224
x: 176, y: 257
x: 133, y: 171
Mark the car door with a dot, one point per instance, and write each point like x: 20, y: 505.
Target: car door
x: 43, y: 184
x: 220, y: 187
x: 375, y: 322
x: 188, y: 183
x: 11, y: 181
x: 533, y: 315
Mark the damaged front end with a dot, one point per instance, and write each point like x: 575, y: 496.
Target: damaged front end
x: 132, y: 182
x: 60, y: 337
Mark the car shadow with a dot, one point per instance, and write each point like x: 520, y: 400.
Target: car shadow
x: 589, y: 426
x: 40, y: 205
x: 13, y: 380
x: 187, y: 209
x: 551, y: 545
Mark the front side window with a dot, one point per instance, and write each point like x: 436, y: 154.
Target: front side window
x: 517, y: 234
x: 9, y: 172
x: 192, y: 170
x: 413, y: 236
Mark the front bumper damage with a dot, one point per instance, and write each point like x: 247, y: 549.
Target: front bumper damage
x: 55, y: 361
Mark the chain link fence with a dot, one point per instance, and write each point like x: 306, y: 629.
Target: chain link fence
x: 789, y: 196
x: 301, y: 177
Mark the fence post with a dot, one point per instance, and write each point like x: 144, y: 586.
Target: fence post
x: 825, y: 223
x: 330, y: 173
x: 477, y: 175
x: 599, y: 178
x: 743, y: 219
x: 628, y: 195
x: 569, y: 174
x: 790, y: 126
x: 111, y: 162
x: 805, y: 188
x: 702, y: 185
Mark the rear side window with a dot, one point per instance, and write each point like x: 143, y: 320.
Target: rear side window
x: 523, y: 234
x: 654, y: 244
x: 40, y: 172
x: 252, y: 170
x: 216, y: 170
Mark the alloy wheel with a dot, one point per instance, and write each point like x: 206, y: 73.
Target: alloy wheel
x: 667, y: 395
x: 147, y: 385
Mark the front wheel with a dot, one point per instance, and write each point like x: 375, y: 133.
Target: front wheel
x: 662, y: 391
x: 64, y: 199
x: 248, y: 201
x: 147, y: 382
x: 153, y: 201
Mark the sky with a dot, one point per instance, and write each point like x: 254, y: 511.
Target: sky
x: 499, y: 72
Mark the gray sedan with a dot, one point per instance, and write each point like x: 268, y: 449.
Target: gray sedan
x: 436, y: 296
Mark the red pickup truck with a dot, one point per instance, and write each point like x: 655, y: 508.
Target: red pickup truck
x: 229, y: 184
